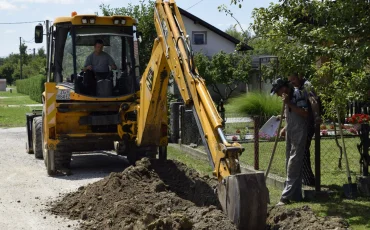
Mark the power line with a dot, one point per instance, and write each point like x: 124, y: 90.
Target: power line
x: 195, y: 4
x: 29, y: 41
x: 12, y: 23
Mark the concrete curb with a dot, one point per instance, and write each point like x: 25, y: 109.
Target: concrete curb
x: 272, y: 179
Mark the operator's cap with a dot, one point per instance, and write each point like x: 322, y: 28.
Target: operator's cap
x: 277, y: 84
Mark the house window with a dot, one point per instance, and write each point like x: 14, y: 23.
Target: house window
x: 199, y: 37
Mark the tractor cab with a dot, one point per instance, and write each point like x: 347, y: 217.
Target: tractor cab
x: 73, y: 44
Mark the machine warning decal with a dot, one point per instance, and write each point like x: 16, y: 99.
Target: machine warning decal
x: 63, y: 94
x: 149, y: 79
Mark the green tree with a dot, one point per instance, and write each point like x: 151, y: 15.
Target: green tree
x: 41, y: 52
x: 326, y: 41
x: 231, y: 30
x: 6, y: 71
x: 32, y: 65
x: 144, y: 12
x: 224, y: 69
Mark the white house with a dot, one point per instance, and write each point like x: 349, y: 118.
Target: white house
x: 205, y: 37
x: 209, y: 40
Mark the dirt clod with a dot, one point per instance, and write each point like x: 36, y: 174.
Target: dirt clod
x: 302, y: 218
x: 150, y: 195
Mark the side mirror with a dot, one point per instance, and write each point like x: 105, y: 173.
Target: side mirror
x: 39, y: 33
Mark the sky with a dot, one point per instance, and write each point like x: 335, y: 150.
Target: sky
x: 40, y: 10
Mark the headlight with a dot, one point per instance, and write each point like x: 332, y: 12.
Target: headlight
x: 84, y: 21
x: 92, y: 20
x: 123, y: 21
x: 116, y: 21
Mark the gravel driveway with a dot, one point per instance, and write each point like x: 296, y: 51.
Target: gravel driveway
x: 25, y: 188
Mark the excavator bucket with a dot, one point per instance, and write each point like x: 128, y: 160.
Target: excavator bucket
x: 244, y: 199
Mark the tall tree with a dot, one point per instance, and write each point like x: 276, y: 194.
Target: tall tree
x: 231, y: 30
x: 326, y: 41
x: 41, y: 52
x: 224, y: 69
x: 144, y: 12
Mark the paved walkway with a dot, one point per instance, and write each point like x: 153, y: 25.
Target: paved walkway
x: 238, y: 119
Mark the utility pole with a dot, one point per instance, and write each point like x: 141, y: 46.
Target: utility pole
x: 34, y: 52
x: 20, y: 52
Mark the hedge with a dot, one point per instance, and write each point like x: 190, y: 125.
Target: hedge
x: 33, y: 86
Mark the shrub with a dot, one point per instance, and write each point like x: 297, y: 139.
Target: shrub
x: 33, y: 86
x: 23, y: 86
x: 256, y: 104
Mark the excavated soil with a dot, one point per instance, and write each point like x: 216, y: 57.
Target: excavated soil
x: 302, y: 218
x: 150, y: 195
x: 154, y: 195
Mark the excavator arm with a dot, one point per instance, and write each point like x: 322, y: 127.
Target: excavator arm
x: 242, y: 196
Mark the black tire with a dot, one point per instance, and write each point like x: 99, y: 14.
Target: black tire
x: 61, y: 159
x: 162, y: 153
x: 37, y: 137
x: 132, y: 153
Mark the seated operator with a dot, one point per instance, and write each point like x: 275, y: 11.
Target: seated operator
x: 99, y: 61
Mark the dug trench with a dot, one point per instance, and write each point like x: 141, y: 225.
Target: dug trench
x: 169, y: 195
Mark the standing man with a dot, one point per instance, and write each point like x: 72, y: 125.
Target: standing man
x: 306, y: 87
x: 296, y: 113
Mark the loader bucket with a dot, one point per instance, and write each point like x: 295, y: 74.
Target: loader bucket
x: 244, y: 199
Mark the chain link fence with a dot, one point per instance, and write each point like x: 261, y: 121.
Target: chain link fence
x: 333, y: 164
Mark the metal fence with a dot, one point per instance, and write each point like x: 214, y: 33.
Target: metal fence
x: 333, y: 171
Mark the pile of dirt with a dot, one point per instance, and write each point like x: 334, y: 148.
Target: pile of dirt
x: 302, y: 218
x: 150, y: 195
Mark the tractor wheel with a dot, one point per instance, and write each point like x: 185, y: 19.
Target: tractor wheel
x: 132, y: 153
x: 37, y: 137
x: 57, y: 162
x: 162, y: 153
x: 54, y: 159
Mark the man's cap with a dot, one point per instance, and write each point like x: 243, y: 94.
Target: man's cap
x: 277, y: 84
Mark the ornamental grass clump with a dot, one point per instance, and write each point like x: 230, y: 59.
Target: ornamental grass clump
x: 256, y: 104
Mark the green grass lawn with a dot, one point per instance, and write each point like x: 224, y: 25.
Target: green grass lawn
x: 14, y: 116
x: 357, y: 212
x: 330, y: 173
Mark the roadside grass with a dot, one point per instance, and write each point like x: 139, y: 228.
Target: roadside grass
x: 201, y: 166
x: 14, y: 116
x: 357, y: 212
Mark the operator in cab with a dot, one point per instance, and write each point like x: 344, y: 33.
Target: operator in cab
x: 99, y: 61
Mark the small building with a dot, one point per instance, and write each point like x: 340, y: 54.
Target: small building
x: 2, y: 84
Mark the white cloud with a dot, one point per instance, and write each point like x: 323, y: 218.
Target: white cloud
x: 9, y: 31
x: 5, y: 5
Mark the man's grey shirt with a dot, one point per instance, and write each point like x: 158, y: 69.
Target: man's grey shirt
x: 99, y: 63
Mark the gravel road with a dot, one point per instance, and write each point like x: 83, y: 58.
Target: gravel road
x: 25, y: 188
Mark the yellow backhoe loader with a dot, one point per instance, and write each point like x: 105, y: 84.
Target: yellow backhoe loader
x: 88, y: 110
